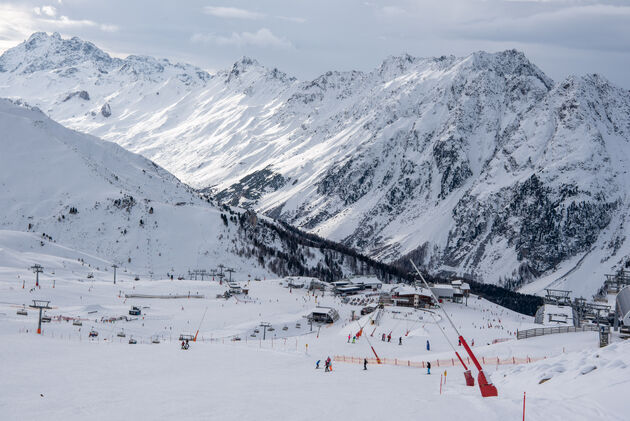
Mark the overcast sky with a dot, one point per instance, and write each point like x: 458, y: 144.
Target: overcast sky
x: 307, y: 38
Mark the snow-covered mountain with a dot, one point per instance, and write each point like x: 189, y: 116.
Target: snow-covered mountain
x: 480, y: 165
x: 83, y: 197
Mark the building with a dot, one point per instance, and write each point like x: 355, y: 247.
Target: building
x: 324, y: 315
x: 235, y: 288
x: 348, y: 290
x: 555, y: 315
x: 356, y: 284
x: 366, y: 282
x: 298, y: 282
x: 406, y: 296
x: 623, y: 305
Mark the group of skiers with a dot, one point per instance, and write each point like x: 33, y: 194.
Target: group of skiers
x: 388, y: 338
x: 327, y: 365
x: 185, y: 344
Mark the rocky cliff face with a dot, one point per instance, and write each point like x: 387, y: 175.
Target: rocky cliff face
x: 479, y: 165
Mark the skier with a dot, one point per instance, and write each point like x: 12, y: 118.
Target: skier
x: 428, y: 346
x: 354, y: 338
x: 444, y: 376
x: 389, y: 337
x: 317, y: 364
x: 349, y: 335
x: 365, y: 363
x: 428, y: 367
x: 383, y: 338
x: 187, y: 345
x: 400, y: 340
x: 183, y: 345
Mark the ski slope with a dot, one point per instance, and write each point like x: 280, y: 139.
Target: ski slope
x: 63, y: 375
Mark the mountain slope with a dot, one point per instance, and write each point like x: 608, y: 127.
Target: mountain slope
x: 479, y: 165
x: 77, y: 192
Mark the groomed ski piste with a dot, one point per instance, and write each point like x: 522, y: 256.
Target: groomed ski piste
x: 63, y: 374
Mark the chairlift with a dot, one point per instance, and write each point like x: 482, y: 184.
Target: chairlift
x: 271, y: 329
x: 22, y: 312
x: 253, y: 335
x: 236, y: 338
x: 132, y: 341
x: 298, y: 325
x: 77, y: 322
x: 46, y: 319
x: 256, y: 330
x: 155, y: 340
x: 121, y: 334
x: 285, y: 328
x: 93, y: 333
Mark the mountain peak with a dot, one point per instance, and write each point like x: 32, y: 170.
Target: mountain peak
x: 508, y: 63
x: 51, y: 52
x: 251, y: 65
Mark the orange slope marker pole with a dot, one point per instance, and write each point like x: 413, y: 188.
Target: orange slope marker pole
x: 197, y: 333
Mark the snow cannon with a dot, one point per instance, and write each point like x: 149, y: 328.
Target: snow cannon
x: 470, y: 380
x: 487, y: 389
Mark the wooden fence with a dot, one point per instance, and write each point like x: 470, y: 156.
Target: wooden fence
x: 540, y: 331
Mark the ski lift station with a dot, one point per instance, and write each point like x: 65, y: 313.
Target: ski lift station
x: 235, y: 288
x: 555, y: 315
x: 324, y: 315
x: 623, y: 305
x: 298, y: 282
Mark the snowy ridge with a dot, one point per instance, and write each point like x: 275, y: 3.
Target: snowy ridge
x: 479, y: 165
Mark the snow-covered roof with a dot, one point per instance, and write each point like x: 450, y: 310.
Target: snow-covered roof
x: 349, y: 288
x: 324, y: 310
x: 340, y: 283
x: 365, y: 280
x: 409, y: 290
x: 443, y: 290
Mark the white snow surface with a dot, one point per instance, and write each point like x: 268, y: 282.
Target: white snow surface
x: 63, y: 375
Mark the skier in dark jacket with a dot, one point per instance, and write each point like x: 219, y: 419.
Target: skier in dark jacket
x: 428, y: 367
x: 365, y: 363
